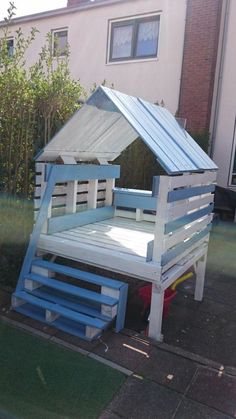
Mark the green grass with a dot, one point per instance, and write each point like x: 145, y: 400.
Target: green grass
x: 40, y: 380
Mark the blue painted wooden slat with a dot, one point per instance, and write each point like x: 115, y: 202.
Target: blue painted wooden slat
x: 66, y: 222
x: 65, y: 312
x: 134, y: 200
x: 78, y: 274
x: 70, y: 302
x: 180, y: 222
x: 180, y: 248
x: 82, y: 172
x: 155, y: 185
x: 73, y: 290
x: 66, y: 325
x: 121, y: 309
x: 42, y: 216
x: 185, y: 193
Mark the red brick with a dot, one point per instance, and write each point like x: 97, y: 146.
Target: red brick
x: 199, y: 61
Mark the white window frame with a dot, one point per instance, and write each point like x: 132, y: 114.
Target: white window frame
x: 133, y: 20
x: 53, y: 32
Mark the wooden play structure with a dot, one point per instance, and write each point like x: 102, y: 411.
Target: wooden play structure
x: 155, y: 236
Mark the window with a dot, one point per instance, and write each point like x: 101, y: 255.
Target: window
x: 134, y: 39
x: 10, y: 47
x: 232, y: 173
x: 59, y: 42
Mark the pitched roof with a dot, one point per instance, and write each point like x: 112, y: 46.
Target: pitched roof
x: 109, y: 121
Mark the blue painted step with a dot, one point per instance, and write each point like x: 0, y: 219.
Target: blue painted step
x: 73, y: 290
x: 78, y: 274
x: 69, y: 301
x: 65, y: 312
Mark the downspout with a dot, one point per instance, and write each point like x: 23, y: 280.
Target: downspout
x: 219, y: 74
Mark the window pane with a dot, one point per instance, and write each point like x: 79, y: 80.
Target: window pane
x: 122, y: 42
x: 60, y: 43
x: 10, y: 46
x: 147, y: 38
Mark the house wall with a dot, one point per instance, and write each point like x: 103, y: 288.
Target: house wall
x: 225, y: 118
x: 154, y: 79
x: 199, y: 63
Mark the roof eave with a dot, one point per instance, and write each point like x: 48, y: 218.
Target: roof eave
x: 61, y: 11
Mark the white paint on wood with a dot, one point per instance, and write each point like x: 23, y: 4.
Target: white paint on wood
x: 16, y: 301
x: 110, y: 184
x: 185, y: 232
x: 161, y: 213
x: 156, y: 313
x: 91, y: 332
x: 51, y: 316
x: 31, y: 285
x: 71, y: 197
x: 193, y: 179
x: 181, y: 209
x: 92, y: 193
x: 200, y: 277
x: 139, y: 214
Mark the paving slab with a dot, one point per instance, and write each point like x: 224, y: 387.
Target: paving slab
x: 143, y: 399
x: 125, y: 350
x: 5, y: 298
x: 74, y: 340
x: 168, y: 369
x: 214, y: 389
x: 189, y: 409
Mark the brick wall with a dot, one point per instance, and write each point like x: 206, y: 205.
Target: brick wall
x: 199, y: 62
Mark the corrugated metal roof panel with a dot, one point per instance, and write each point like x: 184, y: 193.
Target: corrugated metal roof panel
x: 110, y: 121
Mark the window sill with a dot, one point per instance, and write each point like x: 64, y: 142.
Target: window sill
x: 142, y: 60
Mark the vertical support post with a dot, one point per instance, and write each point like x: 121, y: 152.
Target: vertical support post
x: 71, y: 196
x: 200, y: 277
x: 161, y: 211
x: 156, y: 313
x: 110, y: 183
x: 139, y: 214
x: 92, y: 193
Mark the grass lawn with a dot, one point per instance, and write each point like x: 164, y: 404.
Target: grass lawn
x: 40, y: 380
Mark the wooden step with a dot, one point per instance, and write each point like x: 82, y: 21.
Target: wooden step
x: 71, y: 289
x: 78, y: 274
x: 93, y: 326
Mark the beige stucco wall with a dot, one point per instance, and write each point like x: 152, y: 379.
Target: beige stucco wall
x: 155, y: 80
x: 227, y: 103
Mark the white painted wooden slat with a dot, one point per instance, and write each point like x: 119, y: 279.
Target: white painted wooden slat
x: 71, y: 197
x: 187, y: 231
x: 158, y: 244
x: 179, y: 269
x: 180, y: 257
x: 134, y: 266
x: 61, y: 189
x: 181, y: 209
x: 110, y: 183
x: 132, y: 215
x: 193, y: 179
x: 39, y: 167
x: 92, y: 193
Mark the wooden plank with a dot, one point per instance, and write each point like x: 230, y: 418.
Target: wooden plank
x: 179, y: 194
x: 183, y: 234
x: 61, y: 189
x: 72, y: 220
x: 161, y: 208
x: 134, y: 266
x: 179, y: 208
x: 132, y: 215
x: 71, y: 197
x: 187, y: 219
x: 110, y: 184
x: 185, y: 254
x: 135, y: 200
x: 177, y: 270
x: 193, y: 179
x: 183, y: 246
x: 92, y: 193
x: 69, y: 172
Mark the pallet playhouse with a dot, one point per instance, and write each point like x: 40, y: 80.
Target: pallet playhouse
x: 155, y: 236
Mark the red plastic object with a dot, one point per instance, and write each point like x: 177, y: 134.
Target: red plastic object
x: 145, y: 294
